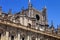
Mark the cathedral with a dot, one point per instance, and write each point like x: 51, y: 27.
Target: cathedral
x: 28, y: 24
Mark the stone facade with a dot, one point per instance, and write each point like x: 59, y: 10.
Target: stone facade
x: 28, y: 24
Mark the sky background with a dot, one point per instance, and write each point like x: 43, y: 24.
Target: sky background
x: 53, y: 8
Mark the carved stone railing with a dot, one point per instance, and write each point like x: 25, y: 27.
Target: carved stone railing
x: 27, y: 28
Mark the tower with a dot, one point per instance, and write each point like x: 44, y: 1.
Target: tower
x: 44, y: 16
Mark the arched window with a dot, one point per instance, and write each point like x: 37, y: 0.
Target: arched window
x: 22, y: 38
x: 37, y: 17
x: 12, y: 37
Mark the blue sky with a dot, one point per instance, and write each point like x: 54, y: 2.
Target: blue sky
x: 53, y: 7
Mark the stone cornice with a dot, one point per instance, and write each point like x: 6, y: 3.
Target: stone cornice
x: 27, y: 28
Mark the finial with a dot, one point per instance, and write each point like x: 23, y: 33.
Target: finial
x: 45, y: 6
x: 52, y: 25
x: 29, y: 4
x: 10, y: 10
x: 29, y: 1
x: 52, y: 22
x: 59, y: 26
x: 22, y: 8
x: 0, y: 8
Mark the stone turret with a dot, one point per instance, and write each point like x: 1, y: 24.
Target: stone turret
x: 44, y: 15
x: 44, y: 11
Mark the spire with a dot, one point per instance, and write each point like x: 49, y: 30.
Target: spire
x: 58, y: 27
x: 22, y: 8
x: 45, y: 7
x: 29, y: 7
x: 52, y: 25
x: 29, y: 4
x: 44, y: 11
x: 0, y: 10
x: 10, y: 10
x: 29, y: 1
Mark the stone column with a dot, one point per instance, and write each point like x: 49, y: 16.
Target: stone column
x: 18, y: 36
x: 2, y: 37
x: 7, y: 35
x: 9, y: 38
x: 28, y: 37
x: 15, y: 37
x: 36, y: 38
